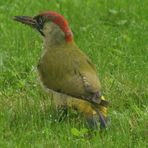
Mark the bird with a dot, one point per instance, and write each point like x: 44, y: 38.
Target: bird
x: 65, y: 70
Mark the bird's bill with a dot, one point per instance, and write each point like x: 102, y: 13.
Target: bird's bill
x: 31, y: 21
x: 26, y: 20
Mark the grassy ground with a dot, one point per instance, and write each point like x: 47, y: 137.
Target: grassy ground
x: 114, y: 34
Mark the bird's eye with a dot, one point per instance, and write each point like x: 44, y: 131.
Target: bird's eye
x: 40, y: 21
x: 39, y: 24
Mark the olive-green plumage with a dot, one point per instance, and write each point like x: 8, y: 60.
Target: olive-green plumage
x: 64, y: 69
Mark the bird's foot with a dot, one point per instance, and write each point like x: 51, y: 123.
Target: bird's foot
x: 62, y: 113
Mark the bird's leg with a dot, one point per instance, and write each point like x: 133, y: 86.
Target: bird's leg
x: 62, y: 113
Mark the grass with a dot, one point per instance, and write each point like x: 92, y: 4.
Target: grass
x: 114, y: 34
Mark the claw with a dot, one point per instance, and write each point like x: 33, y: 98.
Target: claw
x: 62, y: 113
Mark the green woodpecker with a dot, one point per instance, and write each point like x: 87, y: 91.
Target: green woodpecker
x: 65, y: 70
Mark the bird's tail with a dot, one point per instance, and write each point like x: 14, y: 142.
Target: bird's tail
x: 90, y: 113
x: 102, y: 111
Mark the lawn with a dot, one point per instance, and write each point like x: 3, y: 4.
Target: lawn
x: 114, y: 34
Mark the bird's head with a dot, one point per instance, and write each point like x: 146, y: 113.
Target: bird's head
x: 49, y: 24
